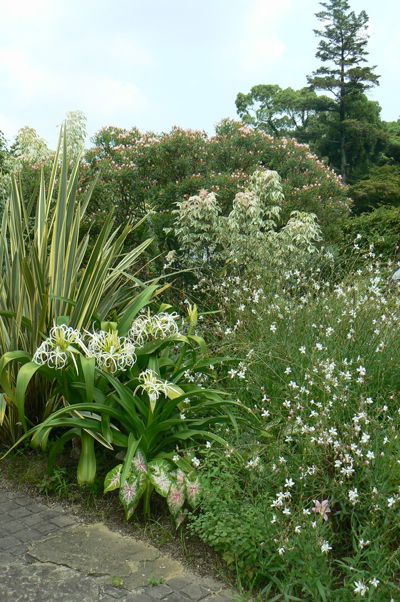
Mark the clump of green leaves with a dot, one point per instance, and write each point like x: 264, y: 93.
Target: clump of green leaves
x: 141, y: 384
x: 47, y: 271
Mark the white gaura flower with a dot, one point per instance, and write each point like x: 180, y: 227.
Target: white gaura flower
x: 58, y: 347
x: 360, y: 588
x: 152, y: 385
x: 159, y: 326
x: 325, y: 547
x: 112, y: 353
x: 322, y: 508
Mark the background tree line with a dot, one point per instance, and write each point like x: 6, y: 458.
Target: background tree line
x: 341, y: 125
x: 332, y: 115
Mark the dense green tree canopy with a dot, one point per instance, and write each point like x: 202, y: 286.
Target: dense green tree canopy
x: 280, y: 111
x: 381, y: 187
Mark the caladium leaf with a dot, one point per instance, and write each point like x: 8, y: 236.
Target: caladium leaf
x: 131, y: 491
x: 192, y: 488
x: 139, y: 463
x: 175, y: 498
x: 160, y: 476
x: 112, y: 480
x: 180, y: 477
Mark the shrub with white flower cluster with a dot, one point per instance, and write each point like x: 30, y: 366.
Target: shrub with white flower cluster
x: 197, y: 225
x: 251, y: 236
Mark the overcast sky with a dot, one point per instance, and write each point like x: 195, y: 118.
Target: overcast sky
x: 158, y: 63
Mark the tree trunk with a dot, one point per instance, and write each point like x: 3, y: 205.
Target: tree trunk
x: 342, y: 115
x: 343, y: 162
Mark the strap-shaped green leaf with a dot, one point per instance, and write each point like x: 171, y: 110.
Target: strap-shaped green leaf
x: 3, y: 407
x: 86, y: 471
x: 88, y: 365
x: 25, y: 375
x: 134, y: 308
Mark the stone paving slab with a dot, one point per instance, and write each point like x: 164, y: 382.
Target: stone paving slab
x: 48, y: 555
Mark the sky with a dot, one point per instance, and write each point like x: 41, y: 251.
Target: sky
x: 153, y: 64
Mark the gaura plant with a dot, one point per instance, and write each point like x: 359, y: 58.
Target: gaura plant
x: 141, y: 385
x: 47, y: 269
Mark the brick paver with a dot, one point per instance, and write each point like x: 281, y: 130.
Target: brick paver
x: 48, y: 555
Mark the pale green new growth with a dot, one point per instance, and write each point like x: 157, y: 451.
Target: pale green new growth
x: 252, y: 235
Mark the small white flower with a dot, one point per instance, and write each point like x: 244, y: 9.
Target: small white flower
x: 374, y: 582
x: 363, y: 544
x: 195, y: 462
x: 360, y: 588
x: 353, y: 496
x: 325, y: 547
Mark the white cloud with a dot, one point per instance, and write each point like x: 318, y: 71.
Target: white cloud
x: 261, y: 43
x: 23, y: 78
x: 106, y: 96
x: 129, y: 52
x: 26, y: 9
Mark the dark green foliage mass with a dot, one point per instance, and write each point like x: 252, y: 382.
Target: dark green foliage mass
x: 381, y: 187
x: 380, y: 227
x: 142, y: 172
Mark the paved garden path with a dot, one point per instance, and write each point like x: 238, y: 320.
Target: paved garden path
x: 48, y: 555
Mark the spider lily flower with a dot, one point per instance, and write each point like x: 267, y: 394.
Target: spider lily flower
x: 146, y: 328
x: 152, y: 385
x: 160, y: 326
x: 193, y: 314
x: 112, y: 353
x: 58, y: 347
x: 165, y: 325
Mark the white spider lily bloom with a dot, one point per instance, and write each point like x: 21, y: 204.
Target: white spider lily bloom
x: 165, y: 325
x: 152, y: 385
x: 112, y: 353
x: 49, y: 355
x: 159, y: 326
x: 58, y: 347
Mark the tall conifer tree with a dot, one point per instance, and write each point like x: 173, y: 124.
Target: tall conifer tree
x: 343, y: 50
